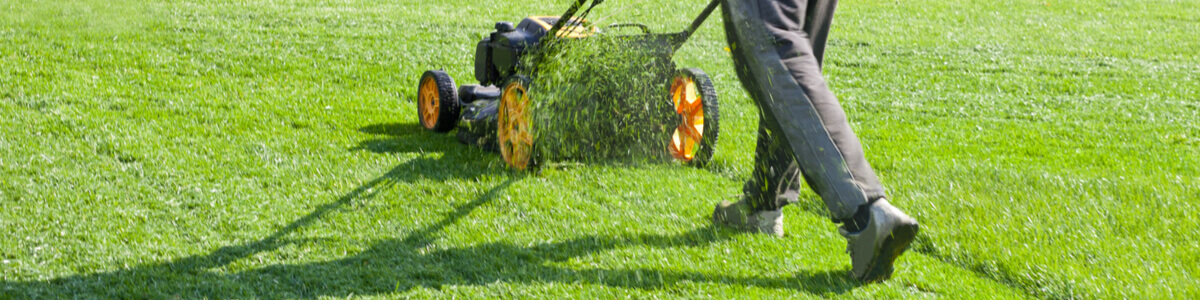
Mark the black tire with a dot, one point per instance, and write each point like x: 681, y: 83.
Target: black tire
x: 712, y: 116
x: 437, y: 101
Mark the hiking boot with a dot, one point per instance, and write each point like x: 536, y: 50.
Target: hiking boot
x: 874, y: 248
x: 741, y: 216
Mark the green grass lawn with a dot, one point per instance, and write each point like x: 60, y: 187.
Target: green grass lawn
x: 270, y: 149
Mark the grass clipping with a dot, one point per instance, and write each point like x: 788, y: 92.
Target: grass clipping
x: 603, y: 99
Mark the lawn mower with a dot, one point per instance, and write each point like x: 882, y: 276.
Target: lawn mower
x: 494, y: 114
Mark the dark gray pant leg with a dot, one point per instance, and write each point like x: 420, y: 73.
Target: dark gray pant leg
x: 816, y: 24
x: 777, y: 64
x: 775, y: 181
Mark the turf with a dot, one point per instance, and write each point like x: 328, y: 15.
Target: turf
x: 270, y: 149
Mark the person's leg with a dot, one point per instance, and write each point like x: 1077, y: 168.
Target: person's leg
x: 774, y: 183
x: 807, y: 73
x: 801, y: 55
x: 816, y: 25
x: 776, y: 64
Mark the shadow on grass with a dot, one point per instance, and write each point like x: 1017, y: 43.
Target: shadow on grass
x: 408, y: 262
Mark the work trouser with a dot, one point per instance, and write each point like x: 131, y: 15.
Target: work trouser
x: 777, y: 47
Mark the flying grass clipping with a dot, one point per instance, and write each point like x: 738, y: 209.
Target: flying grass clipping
x: 602, y: 99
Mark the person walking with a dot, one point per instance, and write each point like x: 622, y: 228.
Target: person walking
x: 777, y: 48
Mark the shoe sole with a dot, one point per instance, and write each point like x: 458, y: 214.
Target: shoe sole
x: 895, y: 245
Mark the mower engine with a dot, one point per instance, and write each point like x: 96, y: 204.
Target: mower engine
x: 498, y: 55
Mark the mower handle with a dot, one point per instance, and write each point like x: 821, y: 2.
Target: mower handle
x: 562, y: 21
x: 700, y: 19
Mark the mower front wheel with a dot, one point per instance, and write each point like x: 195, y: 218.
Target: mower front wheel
x: 514, y: 130
x: 695, y: 100
x: 437, y: 101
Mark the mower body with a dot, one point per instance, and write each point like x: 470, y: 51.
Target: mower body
x: 512, y: 52
x: 502, y: 53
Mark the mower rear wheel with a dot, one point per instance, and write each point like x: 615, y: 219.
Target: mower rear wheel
x: 437, y: 101
x: 695, y: 100
x: 514, y: 127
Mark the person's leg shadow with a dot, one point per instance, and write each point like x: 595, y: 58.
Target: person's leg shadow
x: 405, y: 263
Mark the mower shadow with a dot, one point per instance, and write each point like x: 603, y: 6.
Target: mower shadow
x: 406, y: 262
x: 393, y: 129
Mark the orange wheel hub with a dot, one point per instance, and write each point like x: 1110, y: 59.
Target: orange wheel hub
x: 516, y: 139
x: 690, y: 108
x: 428, y: 102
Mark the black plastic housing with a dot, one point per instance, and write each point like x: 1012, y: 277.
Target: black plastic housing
x: 499, y: 54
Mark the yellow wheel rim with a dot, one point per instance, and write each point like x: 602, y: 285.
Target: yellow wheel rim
x: 428, y: 102
x: 690, y: 108
x: 516, y: 141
